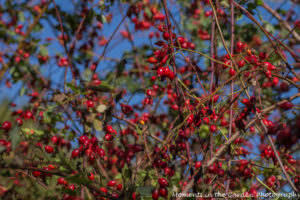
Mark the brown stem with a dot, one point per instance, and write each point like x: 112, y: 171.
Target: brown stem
x: 64, y: 41
x: 108, y: 42
x: 169, y: 26
x: 232, y: 22
x: 212, y: 76
x: 256, y: 113
x: 279, y: 18
x: 38, y: 181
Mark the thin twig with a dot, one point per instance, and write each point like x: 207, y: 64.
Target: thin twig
x: 65, y: 43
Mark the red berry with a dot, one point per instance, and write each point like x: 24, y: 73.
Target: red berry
x: 232, y: 72
x: 198, y: 164
x: 171, y: 75
x: 153, y: 78
x: 96, y: 82
x: 163, y: 182
x: 181, y: 39
x: 111, y: 183
x: 241, y: 63
x: 262, y: 55
x: 49, y: 149
x: 152, y: 60
x: 19, y: 121
x: 90, y: 104
x: 108, y: 137
x: 36, y: 173
x: 284, y: 87
x: 215, y: 98
x: 6, y: 125
x: 109, y: 129
x: 60, y: 181
x: 75, y: 153
x: 239, y: 45
x: 268, y: 73
x: 119, y: 187
x: 213, y: 128
x: 163, y: 192
x: 166, y: 71
x: 83, y: 139
x: 160, y: 71
x: 101, y: 153
x: 246, y: 102
x: 275, y: 81
x: 150, y: 92
x: 28, y: 115
x: 166, y: 35
x: 54, y: 139
x: 269, y: 66
x: 103, y: 189
x: 91, y: 176
x: 206, y: 120
x: 155, y: 194
x: 71, y: 187
x: 286, y: 105
x: 227, y: 62
x: 89, y: 152
x: 133, y: 196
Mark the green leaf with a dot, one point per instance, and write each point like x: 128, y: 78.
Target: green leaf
x: 103, y: 87
x: 138, y: 130
x: 269, y: 28
x: 38, y: 132
x: 79, y: 179
x: 101, y: 108
x: 73, y: 88
x: 98, y: 125
x: 259, y: 2
x: 22, y: 91
x: 102, y: 19
x: 2, y: 148
x: 120, y: 67
x: 21, y: 16
x: 37, y: 28
x: 145, y: 190
x: 148, y: 12
x: 68, y: 191
x: 43, y: 50
x: 118, y: 176
x: 14, y: 137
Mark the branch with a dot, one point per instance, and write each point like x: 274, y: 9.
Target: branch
x: 285, y: 24
x: 64, y: 41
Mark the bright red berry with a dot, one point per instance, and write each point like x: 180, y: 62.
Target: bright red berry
x: 91, y: 176
x: 241, y: 63
x: 49, y: 149
x: 155, y: 194
x: 75, y: 153
x: 6, y: 125
x: 111, y: 183
x: 213, y: 128
x: 36, y: 173
x: 163, y: 182
x: 198, y: 164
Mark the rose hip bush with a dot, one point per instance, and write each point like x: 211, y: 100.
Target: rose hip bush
x: 142, y: 99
